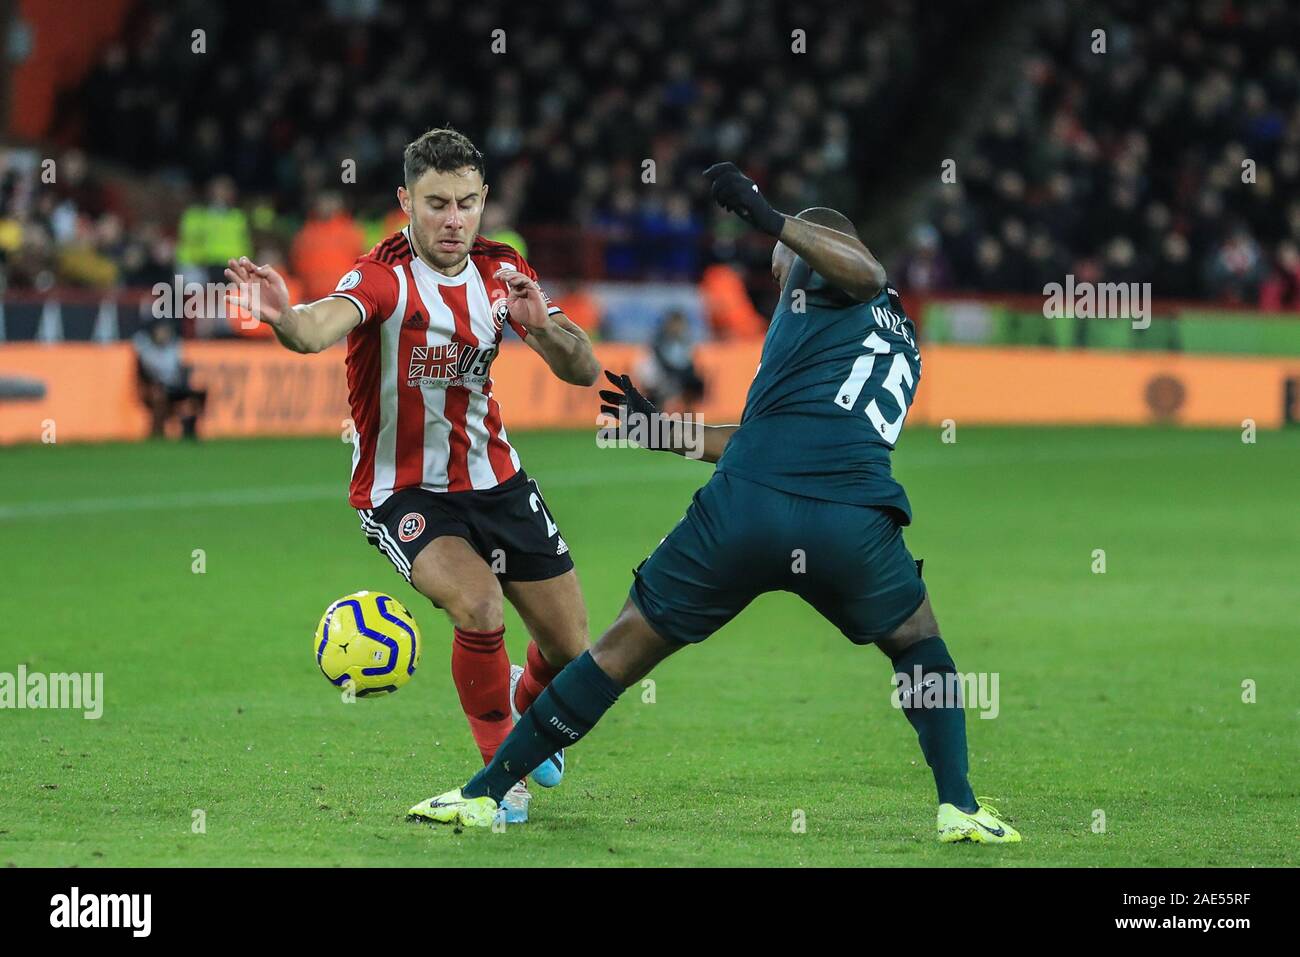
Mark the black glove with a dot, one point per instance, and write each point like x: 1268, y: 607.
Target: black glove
x: 627, y: 402
x: 737, y: 193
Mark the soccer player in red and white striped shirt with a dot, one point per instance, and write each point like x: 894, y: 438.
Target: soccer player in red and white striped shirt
x: 438, y: 486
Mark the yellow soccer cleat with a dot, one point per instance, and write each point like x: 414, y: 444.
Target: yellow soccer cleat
x: 983, y: 827
x: 452, y: 808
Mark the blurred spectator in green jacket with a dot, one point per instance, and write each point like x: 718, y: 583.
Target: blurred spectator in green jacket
x: 212, y: 233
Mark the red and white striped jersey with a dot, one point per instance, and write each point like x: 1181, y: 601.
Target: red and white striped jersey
x: 419, y: 366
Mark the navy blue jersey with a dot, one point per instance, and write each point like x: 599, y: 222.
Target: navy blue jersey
x: 830, y: 396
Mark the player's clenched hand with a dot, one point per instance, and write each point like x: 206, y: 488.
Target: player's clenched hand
x: 527, y: 307
x: 626, y: 403
x: 737, y: 193
x: 271, y: 300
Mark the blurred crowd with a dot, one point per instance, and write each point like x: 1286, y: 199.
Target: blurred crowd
x: 284, y: 137
x: 59, y: 225
x: 303, y: 116
x: 1131, y: 164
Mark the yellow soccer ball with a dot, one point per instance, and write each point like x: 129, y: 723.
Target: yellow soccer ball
x: 368, y: 640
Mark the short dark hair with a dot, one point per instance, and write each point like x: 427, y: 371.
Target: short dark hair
x: 445, y: 150
x: 832, y: 218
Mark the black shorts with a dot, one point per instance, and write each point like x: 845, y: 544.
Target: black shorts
x: 509, y: 526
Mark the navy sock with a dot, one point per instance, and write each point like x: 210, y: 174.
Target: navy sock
x: 570, y: 706
x: 941, y: 727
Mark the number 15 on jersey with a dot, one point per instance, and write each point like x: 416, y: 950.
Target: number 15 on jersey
x: 900, y: 374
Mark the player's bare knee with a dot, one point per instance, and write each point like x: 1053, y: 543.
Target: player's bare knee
x: 920, y: 625
x: 614, y: 662
x: 477, y: 611
x: 630, y: 648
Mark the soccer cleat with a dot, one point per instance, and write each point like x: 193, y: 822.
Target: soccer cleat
x: 514, y: 806
x: 451, y: 808
x: 983, y: 827
x: 551, y: 771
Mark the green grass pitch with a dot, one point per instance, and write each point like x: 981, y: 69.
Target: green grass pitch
x: 1119, y: 692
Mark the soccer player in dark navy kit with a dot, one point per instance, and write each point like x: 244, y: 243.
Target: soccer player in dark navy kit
x: 802, y: 500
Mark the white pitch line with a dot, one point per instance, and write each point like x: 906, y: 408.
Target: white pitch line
x: 158, y: 501
x: 913, y: 459
x: 290, y: 494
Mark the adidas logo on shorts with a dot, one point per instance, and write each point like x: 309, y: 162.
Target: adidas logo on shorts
x: 562, y: 548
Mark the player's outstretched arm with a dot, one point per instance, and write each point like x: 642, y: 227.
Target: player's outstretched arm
x: 638, y: 417
x: 841, y: 259
x: 712, y: 439
x: 306, y: 328
x: 566, y: 349
x: 556, y: 338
